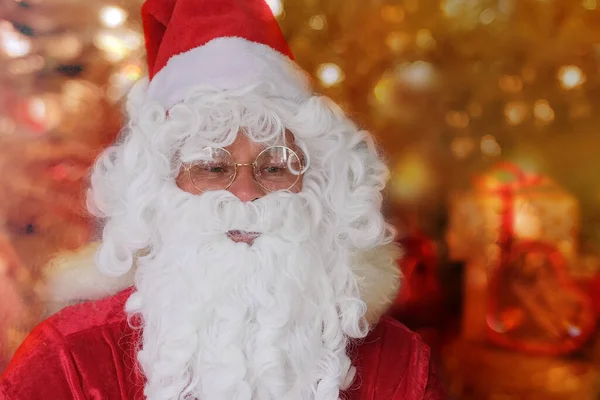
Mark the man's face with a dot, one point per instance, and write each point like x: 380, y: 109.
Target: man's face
x: 250, y: 180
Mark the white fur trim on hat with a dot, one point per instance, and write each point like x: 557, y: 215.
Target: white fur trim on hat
x: 228, y: 63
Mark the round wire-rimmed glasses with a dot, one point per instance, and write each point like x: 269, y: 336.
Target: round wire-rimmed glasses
x: 275, y: 168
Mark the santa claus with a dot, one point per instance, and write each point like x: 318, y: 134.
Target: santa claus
x: 247, y: 212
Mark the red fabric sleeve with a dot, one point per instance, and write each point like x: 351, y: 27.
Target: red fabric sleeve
x: 3, y: 395
x: 42, y: 368
x: 394, y: 363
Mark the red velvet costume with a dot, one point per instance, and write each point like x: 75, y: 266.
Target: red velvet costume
x: 87, y: 351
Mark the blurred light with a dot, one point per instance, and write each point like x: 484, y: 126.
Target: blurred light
x: 59, y: 172
x: 392, y: 14
x: 37, y: 110
x: 457, y: 119
x: 489, y: 146
x: 44, y: 111
x: 7, y: 126
x: 112, y: 16
x: 419, y: 75
x: 27, y: 65
x: 66, y: 47
x: 68, y: 171
x: 114, y: 48
x: 526, y: 221
x: 487, y: 16
x: 384, y: 89
x: 425, y: 40
x: 114, y: 94
x: 571, y: 76
x: 515, y: 112
x: 329, y: 74
x: 475, y: 109
x: 465, y: 13
x: 118, y: 79
x: 398, y: 41
x: 411, y: 177
x: 507, y: 7
x: 462, y: 147
x: 543, y: 111
x: 590, y: 4
x: 510, y: 83
x: 132, y: 39
x: 452, y: 8
x: 276, y: 7
x: 121, y: 82
x: 132, y: 72
x: 13, y: 43
x: 117, y: 44
x: 77, y: 92
x: 574, y: 331
x: 317, y: 22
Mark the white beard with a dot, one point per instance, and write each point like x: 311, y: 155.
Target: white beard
x: 225, y: 320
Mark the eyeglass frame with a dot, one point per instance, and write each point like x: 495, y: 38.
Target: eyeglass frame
x: 253, y: 165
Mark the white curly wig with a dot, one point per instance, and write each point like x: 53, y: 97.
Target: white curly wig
x: 338, y: 209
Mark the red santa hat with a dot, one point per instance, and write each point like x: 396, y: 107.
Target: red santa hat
x: 227, y: 44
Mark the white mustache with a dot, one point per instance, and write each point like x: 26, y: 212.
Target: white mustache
x: 183, y: 217
x: 290, y: 216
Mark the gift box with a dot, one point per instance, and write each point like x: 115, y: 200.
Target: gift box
x: 516, y: 233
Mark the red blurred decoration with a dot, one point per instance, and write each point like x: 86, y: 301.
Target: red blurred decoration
x: 23, y: 116
x: 420, y: 300
x: 69, y: 170
x: 59, y: 172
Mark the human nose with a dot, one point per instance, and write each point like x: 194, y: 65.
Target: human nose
x: 245, y: 187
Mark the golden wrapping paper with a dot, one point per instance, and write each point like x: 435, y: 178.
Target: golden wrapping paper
x: 544, y: 213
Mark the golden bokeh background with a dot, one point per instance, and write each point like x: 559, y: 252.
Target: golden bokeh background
x: 449, y: 88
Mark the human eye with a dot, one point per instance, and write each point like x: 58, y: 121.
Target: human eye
x: 215, y: 168
x: 274, y: 169
x: 207, y: 170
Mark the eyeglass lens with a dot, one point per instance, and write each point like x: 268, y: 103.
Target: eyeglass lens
x: 275, y: 168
